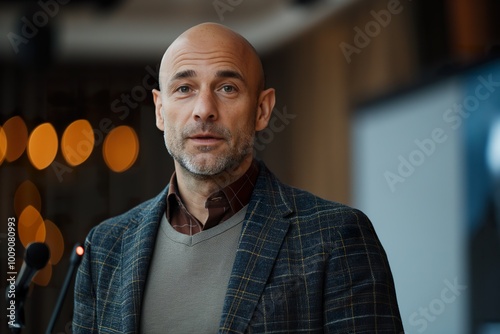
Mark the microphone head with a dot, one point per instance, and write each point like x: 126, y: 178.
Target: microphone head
x: 37, y: 255
x: 77, y: 254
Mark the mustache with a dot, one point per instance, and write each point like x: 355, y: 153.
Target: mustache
x: 212, y: 128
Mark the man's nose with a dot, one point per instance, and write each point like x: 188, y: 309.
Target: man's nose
x: 205, y: 108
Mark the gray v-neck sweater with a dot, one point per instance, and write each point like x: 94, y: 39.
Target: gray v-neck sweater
x: 188, y: 278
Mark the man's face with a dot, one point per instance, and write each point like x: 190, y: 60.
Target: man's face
x: 208, y: 104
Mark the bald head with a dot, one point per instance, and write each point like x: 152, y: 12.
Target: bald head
x: 211, y: 104
x: 209, y: 41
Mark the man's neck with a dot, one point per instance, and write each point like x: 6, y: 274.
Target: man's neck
x: 195, y: 190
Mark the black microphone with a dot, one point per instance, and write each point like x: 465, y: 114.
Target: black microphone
x: 35, y: 258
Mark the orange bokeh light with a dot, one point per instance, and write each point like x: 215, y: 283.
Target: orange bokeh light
x: 27, y: 194
x: 77, y: 142
x: 42, y: 146
x: 16, y: 134
x: 31, y: 226
x: 3, y: 145
x: 121, y: 148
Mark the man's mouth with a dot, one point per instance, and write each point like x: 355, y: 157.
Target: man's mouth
x: 206, y: 138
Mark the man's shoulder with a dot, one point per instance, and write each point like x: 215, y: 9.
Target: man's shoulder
x: 299, y: 199
x: 311, y: 206
x: 312, y: 217
x: 305, y: 199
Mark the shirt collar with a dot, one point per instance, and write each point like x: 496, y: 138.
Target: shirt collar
x: 229, y: 199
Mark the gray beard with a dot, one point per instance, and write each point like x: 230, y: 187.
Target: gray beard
x: 222, y: 164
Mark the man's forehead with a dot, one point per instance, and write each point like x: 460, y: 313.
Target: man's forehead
x: 190, y: 62
x: 209, y: 44
x: 185, y: 50
x: 216, y: 68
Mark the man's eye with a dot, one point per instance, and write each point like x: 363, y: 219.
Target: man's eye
x: 228, y: 89
x: 183, y: 89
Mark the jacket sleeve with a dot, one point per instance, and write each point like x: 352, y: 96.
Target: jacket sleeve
x: 359, y: 293
x: 84, y: 314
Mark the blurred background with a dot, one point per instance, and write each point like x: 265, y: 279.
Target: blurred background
x: 391, y: 106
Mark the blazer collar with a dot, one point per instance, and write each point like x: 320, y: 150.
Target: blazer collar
x: 137, y: 249
x: 263, y: 232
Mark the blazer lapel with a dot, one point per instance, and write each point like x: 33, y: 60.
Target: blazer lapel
x: 263, y: 232
x: 137, y: 249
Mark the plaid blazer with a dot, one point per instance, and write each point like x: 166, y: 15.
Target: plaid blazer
x: 303, y: 264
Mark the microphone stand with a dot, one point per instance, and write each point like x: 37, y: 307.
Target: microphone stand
x: 75, y: 259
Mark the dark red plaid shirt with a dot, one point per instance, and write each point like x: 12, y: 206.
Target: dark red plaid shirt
x: 221, y: 204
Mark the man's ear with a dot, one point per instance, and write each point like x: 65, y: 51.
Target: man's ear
x: 267, y: 99
x: 158, y: 111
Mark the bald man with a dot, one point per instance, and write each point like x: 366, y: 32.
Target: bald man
x: 226, y: 247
